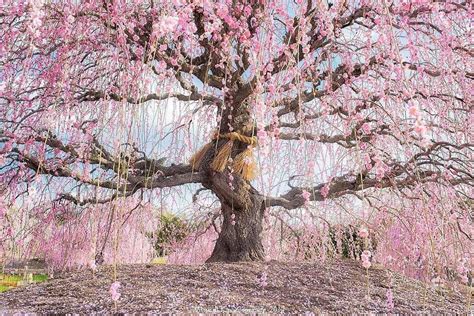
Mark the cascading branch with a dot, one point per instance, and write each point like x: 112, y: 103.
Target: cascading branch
x: 366, y: 104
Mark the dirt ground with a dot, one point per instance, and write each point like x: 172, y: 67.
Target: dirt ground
x: 296, y: 288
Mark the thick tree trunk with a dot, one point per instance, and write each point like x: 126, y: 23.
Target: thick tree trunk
x: 240, y: 235
x: 242, y: 209
x: 242, y: 206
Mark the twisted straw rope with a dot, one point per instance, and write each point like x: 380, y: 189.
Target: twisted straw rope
x: 236, y: 136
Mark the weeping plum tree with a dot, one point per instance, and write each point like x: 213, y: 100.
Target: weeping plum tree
x: 376, y: 93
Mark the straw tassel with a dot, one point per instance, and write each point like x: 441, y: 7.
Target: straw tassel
x: 197, y: 158
x: 244, y: 164
x: 220, y: 162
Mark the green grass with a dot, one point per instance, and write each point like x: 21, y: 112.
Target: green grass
x: 159, y: 260
x: 40, y: 277
x: 4, y: 288
x: 9, y: 281
x: 10, y: 277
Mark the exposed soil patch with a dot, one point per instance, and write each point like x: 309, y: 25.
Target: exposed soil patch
x: 291, y: 288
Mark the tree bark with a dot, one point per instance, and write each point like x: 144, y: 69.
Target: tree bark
x: 242, y: 205
x: 239, y: 238
x: 242, y: 209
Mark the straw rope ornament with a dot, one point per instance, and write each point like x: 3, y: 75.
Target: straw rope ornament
x: 243, y: 164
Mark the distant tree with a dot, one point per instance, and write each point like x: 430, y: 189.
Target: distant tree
x: 172, y: 229
x: 367, y: 99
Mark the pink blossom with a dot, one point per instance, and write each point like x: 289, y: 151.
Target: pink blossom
x: 92, y: 265
x: 390, y: 304
x: 325, y: 191
x: 306, y: 195
x: 453, y: 217
x: 367, y: 161
x: 366, y: 254
x: 379, y: 171
x: 414, y: 111
x: 366, y: 264
x: 169, y: 23
x: 363, y: 233
x: 114, y: 291
x: 262, y: 137
x: 262, y: 280
x: 366, y: 128
x: 463, y: 270
x: 248, y: 160
x: 70, y: 19
x: 166, y: 25
x: 36, y: 21
x: 420, y: 127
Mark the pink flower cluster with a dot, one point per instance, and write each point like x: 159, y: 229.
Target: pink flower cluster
x: 325, y: 190
x: 306, y: 195
x: 166, y: 25
x: 366, y: 255
x: 231, y: 178
x: 36, y: 17
x: 262, y: 280
x: 462, y: 270
x: 363, y: 233
x: 390, y: 304
x: 420, y: 127
x: 114, y: 291
x: 3, y: 207
x: 381, y: 169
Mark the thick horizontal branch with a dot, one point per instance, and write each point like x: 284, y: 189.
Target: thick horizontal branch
x: 124, y: 177
x: 341, y: 186
x: 430, y: 165
x: 173, y: 180
x: 100, y: 95
x: 60, y: 171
